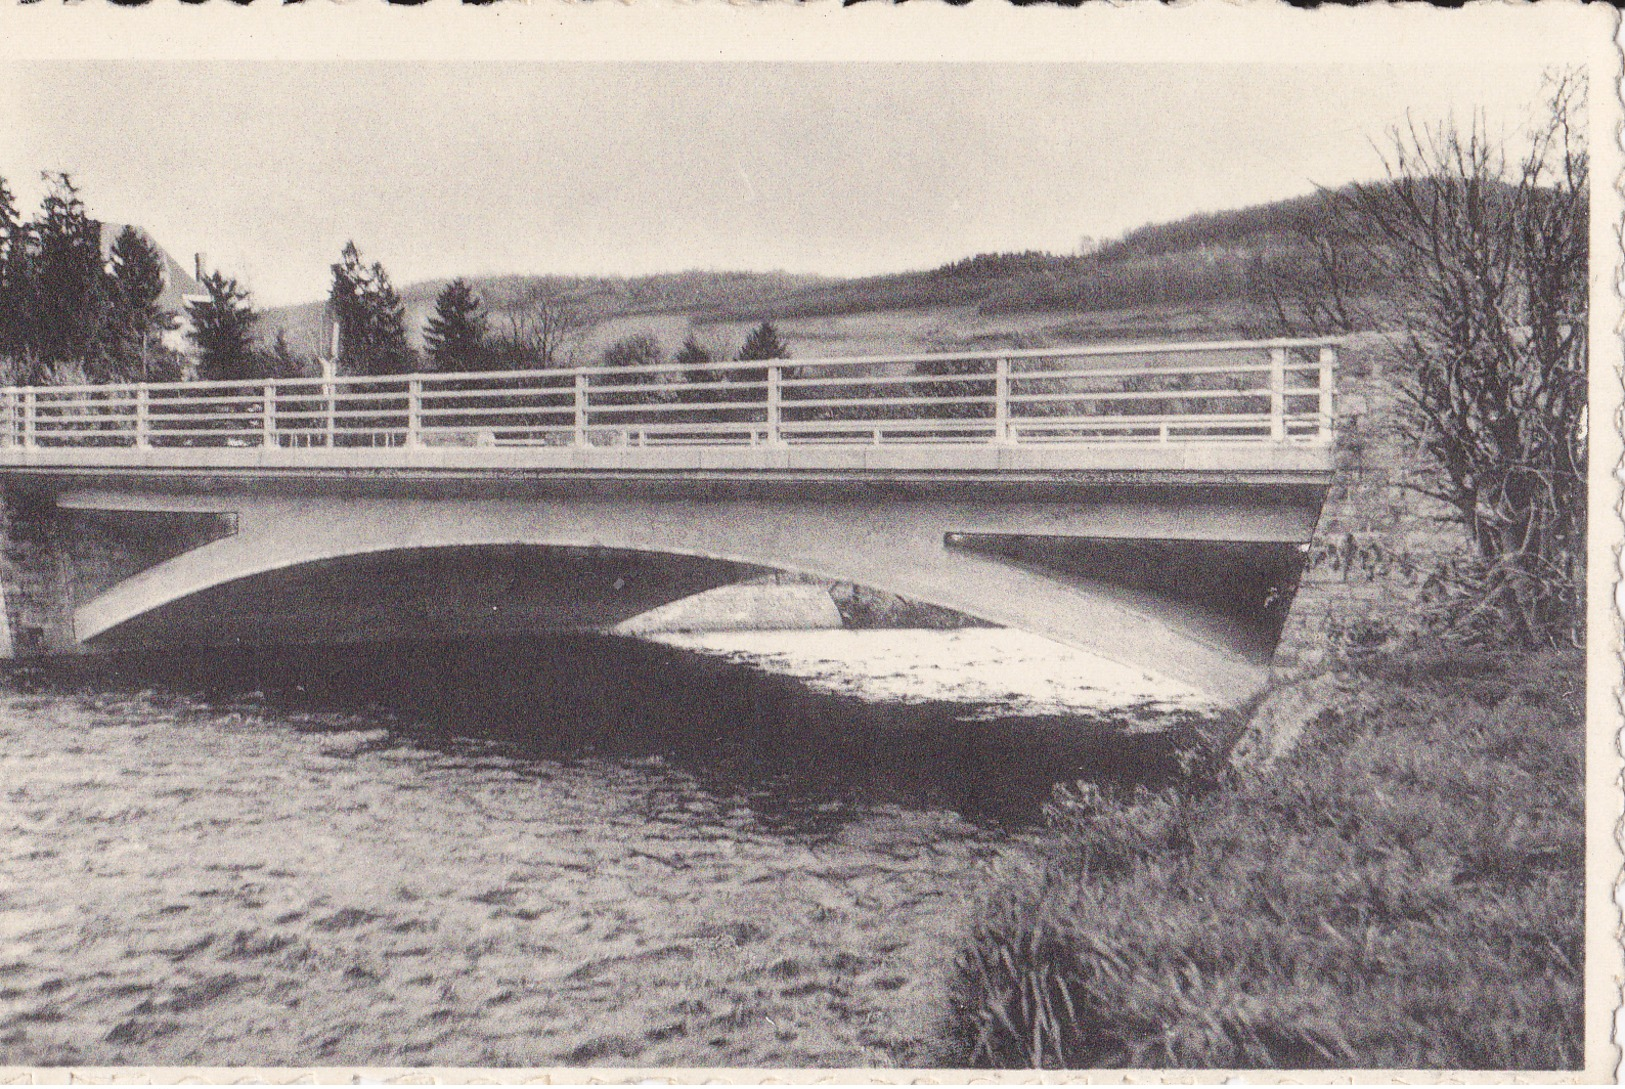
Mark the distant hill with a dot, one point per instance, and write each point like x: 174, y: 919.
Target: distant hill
x: 1196, y: 274
x: 1201, y: 260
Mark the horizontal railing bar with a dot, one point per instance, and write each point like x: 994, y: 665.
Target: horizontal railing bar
x: 1136, y: 395
x: 549, y: 410
x: 888, y: 402
x: 671, y: 406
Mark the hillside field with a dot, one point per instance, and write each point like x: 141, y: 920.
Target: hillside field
x: 1196, y: 278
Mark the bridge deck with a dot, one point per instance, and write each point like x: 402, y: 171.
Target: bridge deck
x: 1229, y: 407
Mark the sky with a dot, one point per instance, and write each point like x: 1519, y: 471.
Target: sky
x: 482, y: 168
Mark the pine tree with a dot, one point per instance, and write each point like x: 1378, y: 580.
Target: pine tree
x: 392, y: 354
x: 692, y: 353
x: 371, y: 318
x: 696, y: 355
x: 280, y: 360
x: 14, y: 277
x: 68, y: 298
x: 223, y: 331
x: 136, y: 323
x: 764, y: 343
x: 455, y: 335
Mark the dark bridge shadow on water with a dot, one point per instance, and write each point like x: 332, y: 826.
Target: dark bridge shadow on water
x: 805, y: 761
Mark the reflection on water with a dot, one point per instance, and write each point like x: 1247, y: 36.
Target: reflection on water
x: 567, y: 851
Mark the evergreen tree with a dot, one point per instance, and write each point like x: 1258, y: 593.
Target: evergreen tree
x: 67, y: 304
x: 371, y: 318
x: 223, y: 331
x: 692, y: 353
x: 764, y: 343
x: 14, y: 276
x: 280, y: 360
x: 137, y: 323
x: 455, y: 335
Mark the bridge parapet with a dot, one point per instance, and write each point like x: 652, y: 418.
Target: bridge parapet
x: 1273, y: 394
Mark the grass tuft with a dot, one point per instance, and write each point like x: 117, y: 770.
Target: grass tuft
x: 1403, y: 890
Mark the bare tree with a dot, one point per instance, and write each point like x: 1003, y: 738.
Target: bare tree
x: 539, y: 327
x: 1483, y: 262
x: 1315, y: 284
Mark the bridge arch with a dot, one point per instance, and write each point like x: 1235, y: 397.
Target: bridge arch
x: 705, y: 544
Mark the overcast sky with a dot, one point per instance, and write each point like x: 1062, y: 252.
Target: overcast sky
x: 439, y: 170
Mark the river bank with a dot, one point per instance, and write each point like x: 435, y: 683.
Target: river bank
x: 1403, y: 889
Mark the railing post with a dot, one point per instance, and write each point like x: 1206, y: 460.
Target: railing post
x: 330, y: 418
x: 581, y: 408
x: 1001, y: 400
x: 143, y: 424
x: 773, y: 375
x: 1278, y: 394
x: 268, y: 416
x: 1328, y: 393
x: 30, y: 413
x: 414, y: 412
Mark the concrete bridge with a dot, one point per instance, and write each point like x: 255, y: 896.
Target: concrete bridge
x: 1149, y: 503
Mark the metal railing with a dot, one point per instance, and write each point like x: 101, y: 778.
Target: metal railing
x: 1273, y: 391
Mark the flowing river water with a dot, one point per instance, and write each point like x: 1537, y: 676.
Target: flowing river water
x: 755, y: 850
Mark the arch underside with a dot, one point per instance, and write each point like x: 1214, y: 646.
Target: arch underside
x: 304, y: 571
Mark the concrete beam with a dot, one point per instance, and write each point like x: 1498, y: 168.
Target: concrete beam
x: 1251, y: 459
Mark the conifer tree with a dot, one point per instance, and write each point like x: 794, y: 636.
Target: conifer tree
x: 371, y: 318
x: 137, y: 323
x: 692, y: 353
x: 280, y: 360
x: 764, y: 343
x: 696, y: 355
x: 68, y: 298
x: 455, y: 335
x: 14, y: 278
x: 223, y: 331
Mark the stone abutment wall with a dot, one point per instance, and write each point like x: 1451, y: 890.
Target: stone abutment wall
x: 1378, y: 542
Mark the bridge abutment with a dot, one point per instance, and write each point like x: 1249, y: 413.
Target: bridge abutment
x: 54, y: 560
x: 1377, y: 541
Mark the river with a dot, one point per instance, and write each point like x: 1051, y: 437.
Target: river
x: 746, y: 850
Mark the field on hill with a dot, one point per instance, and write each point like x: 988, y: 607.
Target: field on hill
x: 1194, y: 279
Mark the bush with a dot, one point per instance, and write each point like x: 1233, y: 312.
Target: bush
x: 1404, y: 890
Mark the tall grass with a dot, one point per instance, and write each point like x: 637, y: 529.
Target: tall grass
x: 1404, y: 890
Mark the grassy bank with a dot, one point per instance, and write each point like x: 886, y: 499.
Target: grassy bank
x: 1403, y: 890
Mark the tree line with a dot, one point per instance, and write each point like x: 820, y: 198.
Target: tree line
x: 72, y: 314
x: 538, y: 327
